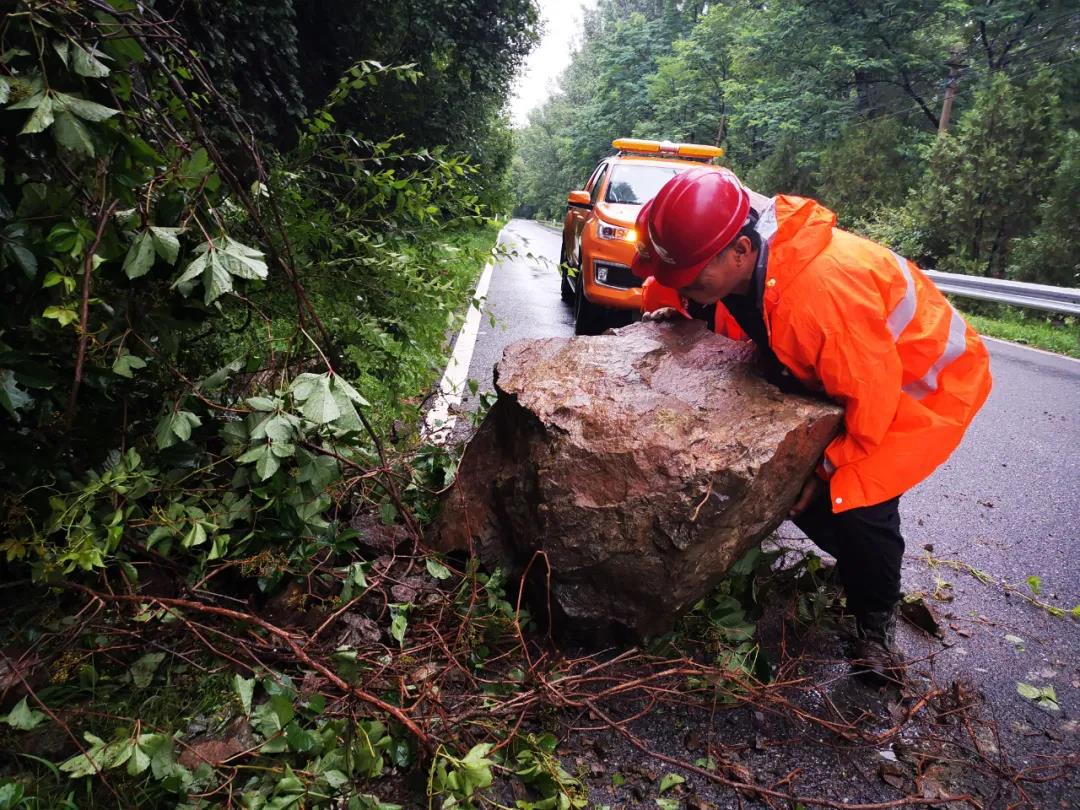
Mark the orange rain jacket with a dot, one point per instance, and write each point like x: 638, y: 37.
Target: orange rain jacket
x: 853, y: 319
x: 655, y: 295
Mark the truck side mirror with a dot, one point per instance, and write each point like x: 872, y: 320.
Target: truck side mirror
x: 579, y: 198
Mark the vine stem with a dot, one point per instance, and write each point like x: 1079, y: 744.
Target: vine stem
x: 285, y: 636
x: 84, y: 314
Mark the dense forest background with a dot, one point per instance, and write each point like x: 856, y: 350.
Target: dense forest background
x: 842, y: 101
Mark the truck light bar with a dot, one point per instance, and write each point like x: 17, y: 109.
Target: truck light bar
x: 684, y: 150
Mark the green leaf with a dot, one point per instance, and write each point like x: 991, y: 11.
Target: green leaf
x: 320, y: 472
x: 23, y: 718
x: 216, y: 279
x: 162, y: 760
x: 41, y: 119
x: 62, y: 46
x: 319, y: 406
x: 335, y: 778
x: 62, y: 314
x: 192, y: 271
x: 166, y: 243
x: 267, y: 464
x: 11, y: 796
x: 52, y: 278
x: 387, y: 513
x: 24, y: 258
x: 32, y: 93
x: 87, y: 63
x: 98, y: 756
x: 283, y: 709
x: 125, y: 363
x: 12, y: 398
x: 1028, y: 691
x: 72, y: 134
x: 140, y: 256
x: 299, y: 740
x: 303, y: 385
x: 142, y: 671
x: 139, y: 761
x: 84, y: 109
x: 1035, y: 584
x: 399, y: 623
x: 218, y: 547
x: 241, y: 260
x: 279, y: 429
x: 617, y: 779
x: 183, y: 423
x: 221, y: 376
x: 350, y: 392
x: 261, y: 404
x: 195, y: 536
x: 668, y: 804
x: 173, y: 426
x: 1048, y: 699
x: 670, y: 780
x: 245, y: 689
x: 437, y: 569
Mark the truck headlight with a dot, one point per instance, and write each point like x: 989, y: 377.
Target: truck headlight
x: 605, y: 230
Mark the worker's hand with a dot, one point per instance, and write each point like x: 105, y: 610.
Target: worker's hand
x: 662, y: 314
x: 810, y: 491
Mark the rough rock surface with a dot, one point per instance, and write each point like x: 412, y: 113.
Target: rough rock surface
x: 642, y: 462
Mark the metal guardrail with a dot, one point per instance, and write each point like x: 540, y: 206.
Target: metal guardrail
x: 1065, y: 300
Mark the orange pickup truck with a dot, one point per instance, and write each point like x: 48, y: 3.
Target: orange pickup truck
x: 598, y: 231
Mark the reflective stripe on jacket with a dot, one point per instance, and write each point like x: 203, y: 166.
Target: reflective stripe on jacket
x: 852, y: 318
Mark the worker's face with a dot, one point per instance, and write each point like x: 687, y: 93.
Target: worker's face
x: 728, y: 272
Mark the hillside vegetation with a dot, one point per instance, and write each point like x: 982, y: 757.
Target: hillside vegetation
x: 843, y: 102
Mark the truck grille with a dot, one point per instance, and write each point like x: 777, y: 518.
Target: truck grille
x: 618, y: 275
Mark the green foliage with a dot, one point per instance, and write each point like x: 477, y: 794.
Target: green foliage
x: 301, y: 753
x: 842, y: 103
x: 189, y: 434
x: 1001, y: 154
x: 456, y: 780
x: 725, y: 621
x: 1050, y: 254
x: 1059, y: 334
x: 534, y: 762
x: 886, y: 154
x: 1043, y: 696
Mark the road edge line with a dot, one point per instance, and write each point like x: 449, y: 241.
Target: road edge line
x: 439, y: 422
x: 1030, y: 348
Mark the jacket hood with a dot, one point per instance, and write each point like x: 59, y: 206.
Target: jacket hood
x: 803, y: 229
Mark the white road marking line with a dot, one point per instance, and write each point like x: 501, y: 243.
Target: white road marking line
x: 1029, y: 348
x: 439, y: 422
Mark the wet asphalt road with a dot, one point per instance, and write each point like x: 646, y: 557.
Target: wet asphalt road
x: 1007, y: 503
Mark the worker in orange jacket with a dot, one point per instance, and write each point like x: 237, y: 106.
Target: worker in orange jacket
x: 843, y: 316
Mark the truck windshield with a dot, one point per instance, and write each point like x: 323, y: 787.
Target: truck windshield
x: 636, y: 184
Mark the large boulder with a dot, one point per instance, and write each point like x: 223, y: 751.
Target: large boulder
x: 642, y: 463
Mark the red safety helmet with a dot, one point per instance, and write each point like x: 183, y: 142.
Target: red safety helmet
x: 692, y: 218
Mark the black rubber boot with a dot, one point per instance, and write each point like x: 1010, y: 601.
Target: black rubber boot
x: 876, y: 658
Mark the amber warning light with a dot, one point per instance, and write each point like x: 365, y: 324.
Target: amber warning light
x: 683, y: 150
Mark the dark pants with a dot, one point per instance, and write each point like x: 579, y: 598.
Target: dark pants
x: 868, y: 548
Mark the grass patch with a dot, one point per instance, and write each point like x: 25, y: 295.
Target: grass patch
x: 1054, y: 333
